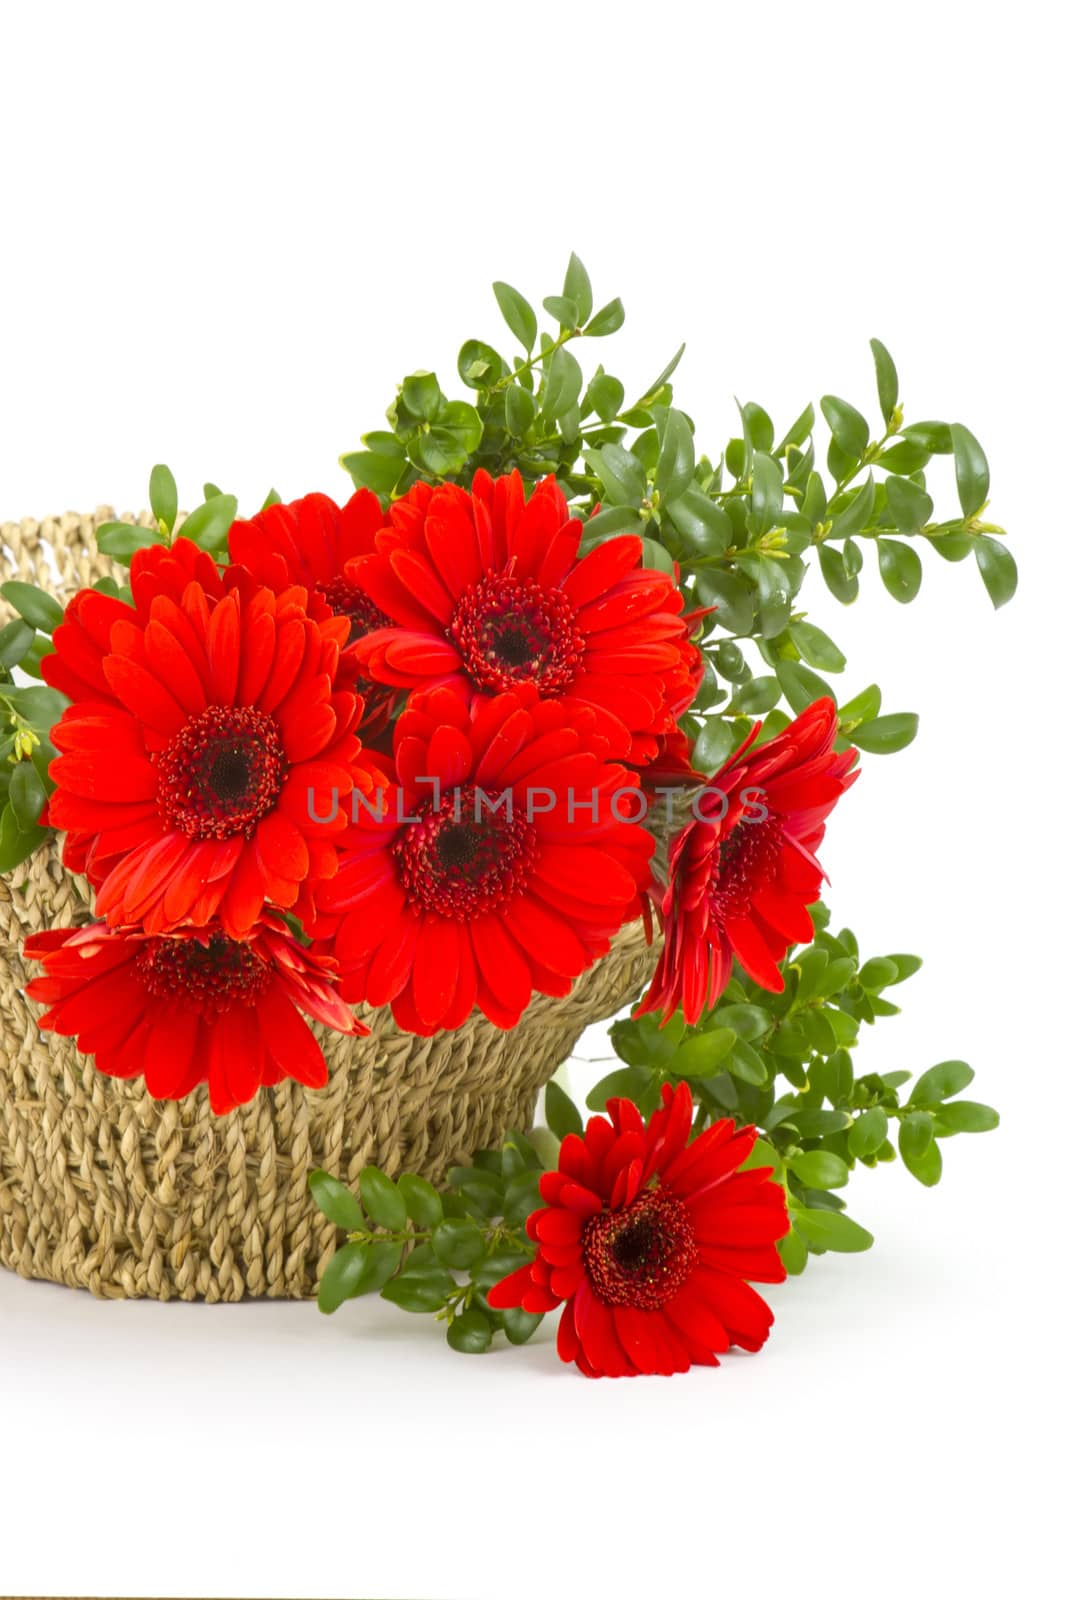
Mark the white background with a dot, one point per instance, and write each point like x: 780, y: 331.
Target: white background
x: 226, y: 232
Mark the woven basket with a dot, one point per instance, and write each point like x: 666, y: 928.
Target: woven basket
x: 104, y: 1188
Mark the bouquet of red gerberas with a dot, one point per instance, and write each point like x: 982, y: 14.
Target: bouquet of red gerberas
x: 432, y: 748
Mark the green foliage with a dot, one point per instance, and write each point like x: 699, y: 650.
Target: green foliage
x: 744, y: 528
x: 440, y: 1250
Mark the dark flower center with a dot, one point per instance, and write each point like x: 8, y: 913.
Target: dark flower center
x: 642, y: 1255
x: 221, y: 773
x: 748, y: 857
x: 467, y: 856
x: 345, y: 599
x: 511, y: 630
x: 213, y: 975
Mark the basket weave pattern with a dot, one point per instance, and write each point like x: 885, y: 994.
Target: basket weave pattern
x: 103, y: 1187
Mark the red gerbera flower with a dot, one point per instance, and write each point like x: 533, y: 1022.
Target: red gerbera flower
x: 742, y: 875
x: 205, y: 748
x: 501, y: 864
x: 192, y: 1007
x: 488, y: 588
x: 308, y: 542
x: 651, y: 1243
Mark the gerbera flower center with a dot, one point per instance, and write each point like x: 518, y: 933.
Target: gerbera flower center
x: 466, y: 856
x: 213, y: 975
x: 747, y: 860
x: 511, y: 630
x: 221, y: 773
x: 640, y: 1256
x: 345, y: 599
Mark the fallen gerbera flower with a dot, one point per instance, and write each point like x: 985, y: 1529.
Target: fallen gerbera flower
x: 193, y: 1007
x: 742, y: 875
x: 650, y: 1243
x: 488, y: 588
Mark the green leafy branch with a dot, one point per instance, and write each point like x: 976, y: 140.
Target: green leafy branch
x: 438, y: 1252
x: 742, y: 532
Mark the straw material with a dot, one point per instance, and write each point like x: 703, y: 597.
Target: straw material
x: 104, y: 1188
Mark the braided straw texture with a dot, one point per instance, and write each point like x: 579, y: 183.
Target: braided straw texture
x: 104, y: 1188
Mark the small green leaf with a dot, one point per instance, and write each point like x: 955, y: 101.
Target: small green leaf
x: 677, y: 459
x: 819, y: 1169
x: 209, y: 524
x: 901, y: 569
x: 918, y: 1151
x: 713, y: 746
x: 703, y: 525
x: 577, y: 288
x: 855, y: 516
x: 848, y: 426
x: 620, y: 472
x: 972, y: 470
x: 369, y: 469
x: 793, y: 1253
x: 910, y: 506
x: 967, y: 1116
x: 756, y: 697
x: 877, y: 973
x: 817, y: 648
x: 471, y: 1333
x: 122, y: 540
x: 384, y: 1258
x: 382, y: 1200
x: 16, y: 637
x: 561, y: 1113
x: 163, y: 497
x: 800, y: 685
x: 479, y: 367
x: 563, y: 384
x: 767, y: 492
x: 520, y: 408
x: 886, y: 374
x: 997, y: 566
x: 935, y: 437
x: 458, y: 1242
x: 701, y: 1054
x: 39, y: 706
x: 907, y: 966
x: 518, y: 313
x: 831, y: 1230
x: 609, y: 319
x: 27, y: 795
x: 421, y: 1199
x: 563, y: 309
x: 731, y: 595
x: 519, y: 1324
x: 625, y: 1083
x: 868, y: 1133
x: 33, y: 605
x: 342, y: 1276
x: 606, y: 395
x: 423, y: 1288
x: 747, y: 1065
x: 758, y: 427
x: 940, y: 1083
x: 885, y: 735
x: 336, y: 1201
x: 747, y: 1021
x: 837, y: 580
